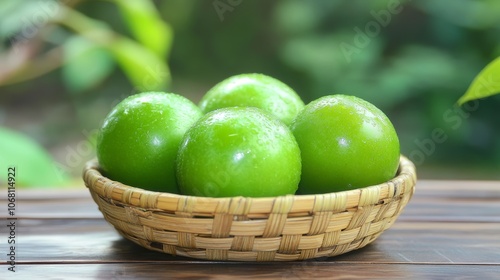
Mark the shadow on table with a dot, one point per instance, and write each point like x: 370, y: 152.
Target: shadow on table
x: 132, y: 259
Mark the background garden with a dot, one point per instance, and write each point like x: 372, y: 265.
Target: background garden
x: 64, y: 65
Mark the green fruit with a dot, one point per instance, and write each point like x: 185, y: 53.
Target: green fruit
x: 238, y: 151
x: 254, y: 90
x: 138, y: 142
x: 346, y: 143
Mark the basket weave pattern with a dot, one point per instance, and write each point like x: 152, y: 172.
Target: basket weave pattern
x: 283, y: 228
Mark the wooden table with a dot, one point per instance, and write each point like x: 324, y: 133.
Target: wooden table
x: 449, y: 230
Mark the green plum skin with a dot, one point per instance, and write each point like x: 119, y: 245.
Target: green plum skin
x: 138, y: 141
x: 346, y: 143
x: 238, y: 151
x: 254, y: 90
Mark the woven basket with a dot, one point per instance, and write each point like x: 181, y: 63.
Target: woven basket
x: 283, y: 228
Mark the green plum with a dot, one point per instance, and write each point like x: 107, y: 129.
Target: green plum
x: 254, y: 90
x: 238, y: 151
x: 138, y: 142
x: 345, y: 143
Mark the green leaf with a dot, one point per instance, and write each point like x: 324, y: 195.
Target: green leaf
x: 486, y: 83
x: 145, y: 69
x: 146, y: 25
x: 34, y: 166
x: 86, y: 64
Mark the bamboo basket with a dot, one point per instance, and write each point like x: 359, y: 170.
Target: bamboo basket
x: 283, y: 228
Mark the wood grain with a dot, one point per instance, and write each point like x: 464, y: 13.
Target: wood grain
x: 450, y: 229
x: 283, y: 271
x: 418, y: 243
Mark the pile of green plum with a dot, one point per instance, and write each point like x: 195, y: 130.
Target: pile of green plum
x: 251, y: 135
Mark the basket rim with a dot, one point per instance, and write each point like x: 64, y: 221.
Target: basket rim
x: 404, y: 182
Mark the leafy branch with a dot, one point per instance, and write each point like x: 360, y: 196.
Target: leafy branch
x: 95, y: 44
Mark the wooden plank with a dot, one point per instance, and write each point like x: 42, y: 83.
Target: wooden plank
x: 83, y: 207
x: 453, y: 201
x: 425, y: 188
x: 93, y: 240
x: 450, y: 229
x: 230, y: 271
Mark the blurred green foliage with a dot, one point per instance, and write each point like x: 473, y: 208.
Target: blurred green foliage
x: 34, y: 165
x: 68, y: 62
x: 415, y: 65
